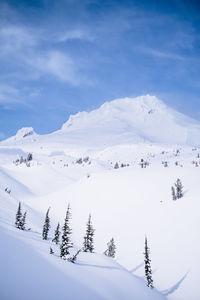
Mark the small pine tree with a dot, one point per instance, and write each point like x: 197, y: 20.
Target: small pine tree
x: 66, y: 242
x: 147, y: 266
x: 57, y: 234
x: 88, y: 244
x: 23, y: 221
x: 173, y: 194
x: 142, y: 163
x: 110, y: 251
x: 51, y: 250
x: 116, y: 166
x: 46, y: 225
x: 18, y: 217
x: 179, y: 189
x: 73, y: 259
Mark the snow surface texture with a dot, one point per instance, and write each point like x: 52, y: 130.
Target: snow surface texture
x: 76, y: 165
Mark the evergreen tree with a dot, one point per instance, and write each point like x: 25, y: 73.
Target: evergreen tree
x: 173, y: 193
x: 18, y: 217
x: 51, y: 250
x: 46, y: 225
x: 142, y: 162
x: 165, y: 164
x: 179, y: 189
x: 116, y: 166
x: 66, y: 242
x: 147, y: 266
x: 23, y: 221
x: 88, y: 244
x: 57, y: 234
x: 110, y: 251
x: 74, y: 257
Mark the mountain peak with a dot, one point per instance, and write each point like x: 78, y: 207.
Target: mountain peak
x: 133, y: 120
x: 25, y: 132
x: 121, y: 121
x: 115, y: 108
x: 143, y: 103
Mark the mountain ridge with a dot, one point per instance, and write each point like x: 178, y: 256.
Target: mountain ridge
x: 124, y: 120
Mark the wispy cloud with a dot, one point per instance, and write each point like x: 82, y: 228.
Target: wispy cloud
x: 161, y: 54
x: 8, y: 94
x: 55, y: 63
x: 74, y: 34
x: 25, y: 47
x: 16, y: 38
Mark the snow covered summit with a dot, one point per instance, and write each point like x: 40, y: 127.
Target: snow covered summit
x: 144, y: 119
x: 140, y: 119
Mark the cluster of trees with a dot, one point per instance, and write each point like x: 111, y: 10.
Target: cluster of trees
x: 122, y: 165
x: 177, y: 190
x: 165, y: 164
x: 26, y: 160
x: 64, y: 240
x: 196, y: 163
x: 143, y: 163
x: 83, y: 160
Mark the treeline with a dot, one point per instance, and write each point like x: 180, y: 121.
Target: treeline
x: 63, y: 239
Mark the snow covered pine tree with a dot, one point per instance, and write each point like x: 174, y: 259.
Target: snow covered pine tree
x: 179, y: 189
x: 18, y: 217
x: 57, y: 234
x: 66, y: 243
x: 46, y: 226
x: 110, y: 251
x: 173, y: 194
x: 20, y: 220
x: 23, y: 221
x: 88, y: 244
x: 147, y: 266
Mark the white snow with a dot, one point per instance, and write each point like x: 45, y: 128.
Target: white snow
x: 126, y: 203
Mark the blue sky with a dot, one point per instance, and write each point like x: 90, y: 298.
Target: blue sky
x: 64, y: 56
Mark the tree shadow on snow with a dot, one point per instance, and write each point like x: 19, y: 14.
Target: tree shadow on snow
x: 174, y: 287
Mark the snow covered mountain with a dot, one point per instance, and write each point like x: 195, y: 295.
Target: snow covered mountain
x: 118, y: 163
x: 131, y: 120
x: 127, y: 120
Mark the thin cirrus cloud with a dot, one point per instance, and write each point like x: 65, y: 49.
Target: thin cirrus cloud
x: 26, y: 47
x: 74, y: 34
x: 162, y: 54
x: 55, y: 63
x: 8, y: 94
x: 14, y: 38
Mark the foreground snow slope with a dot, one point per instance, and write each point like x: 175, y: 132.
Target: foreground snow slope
x: 126, y: 203
x: 28, y: 271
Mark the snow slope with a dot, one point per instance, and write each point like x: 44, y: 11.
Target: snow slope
x: 76, y: 165
x: 33, y: 273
